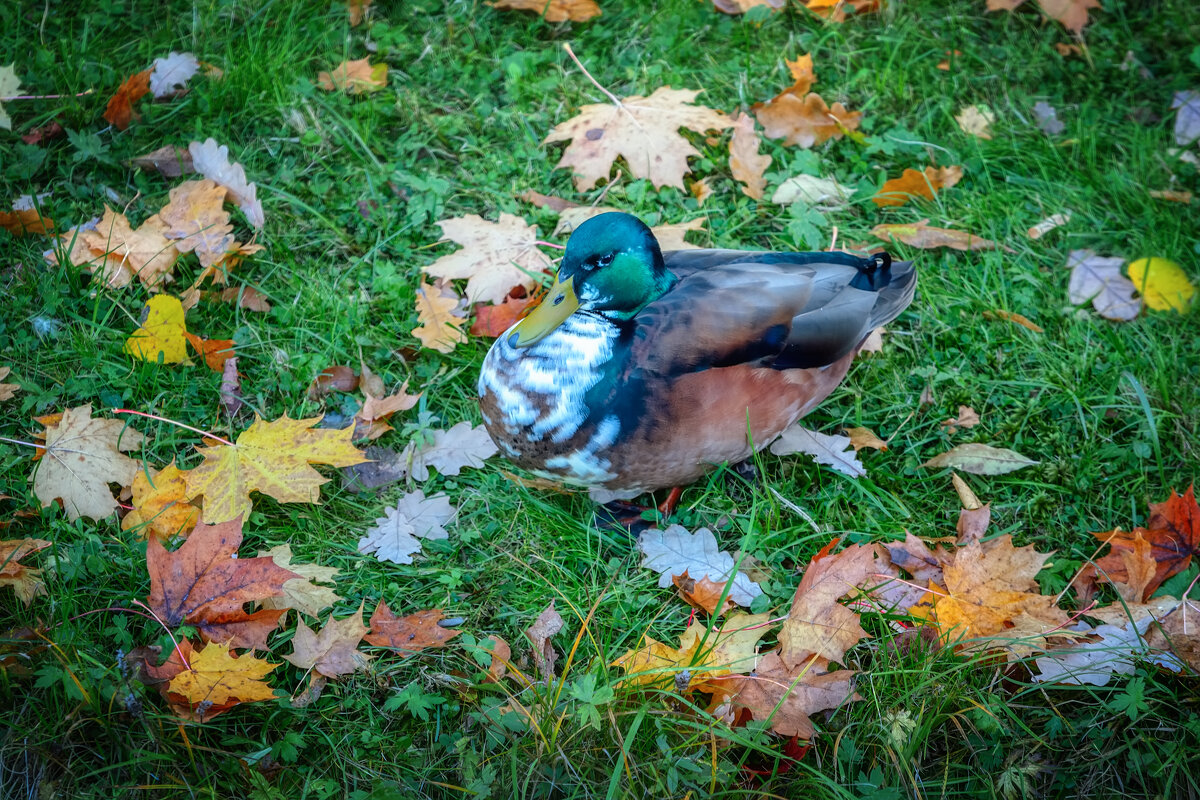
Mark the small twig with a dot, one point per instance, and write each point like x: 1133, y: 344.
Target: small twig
x: 616, y: 100
x: 833, y: 241
x: 43, y: 96
x: 173, y: 422
x: 800, y: 512
x: 551, y: 244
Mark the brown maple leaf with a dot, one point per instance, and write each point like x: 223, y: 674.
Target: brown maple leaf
x: 898, y: 191
x: 817, y: 623
x: 554, y: 10
x: 82, y: 456
x: 411, y: 634
x: 334, y: 651
x: 926, y: 237
x: 1073, y: 14
x: 26, y: 581
x: 354, y: 77
x: 19, y: 222
x: 120, y: 106
x: 802, y: 118
x: 205, y: 581
x: 495, y: 256
x: 745, y: 162
x: 704, y: 594
x: 642, y: 130
x: 1173, y: 535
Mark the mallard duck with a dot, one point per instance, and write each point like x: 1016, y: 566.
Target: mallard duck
x: 643, y: 370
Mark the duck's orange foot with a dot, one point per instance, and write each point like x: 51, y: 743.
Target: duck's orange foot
x: 632, y: 517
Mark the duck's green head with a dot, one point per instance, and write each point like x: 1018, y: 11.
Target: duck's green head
x: 612, y: 267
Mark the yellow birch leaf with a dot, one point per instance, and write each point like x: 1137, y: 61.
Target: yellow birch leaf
x: 1163, y: 284
x: 162, y: 332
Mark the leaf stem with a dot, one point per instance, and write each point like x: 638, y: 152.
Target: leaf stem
x: 43, y: 96
x: 616, y: 100
x: 173, y: 422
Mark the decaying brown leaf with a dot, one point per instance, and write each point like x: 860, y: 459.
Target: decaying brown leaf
x: 495, y: 256
x: 411, y: 634
x: 745, y: 162
x: 554, y: 10
x: 911, y: 183
x: 82, y: 456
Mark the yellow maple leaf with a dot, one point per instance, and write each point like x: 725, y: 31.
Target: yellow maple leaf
x: 162, y: 332
x: 1163, y: 284
x: 217, y: 677
x: 272, y: 458
x: 642, y: 130
x: 354, y: 77
x: 440, y: 328
x: 82, y: 456
x: 704, y: 653
x: 159, y: 507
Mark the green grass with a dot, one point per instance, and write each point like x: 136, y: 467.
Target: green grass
x: 1109, y: 410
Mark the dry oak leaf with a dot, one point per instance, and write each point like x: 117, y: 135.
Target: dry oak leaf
x: 120, y: 106
x: 21, y: 221
x: 745, y: 162
x: 898, y: 191
x: 411, y: 634
x: 1173, y: 537
x: 145, y: 253
x: 671, y: 237
x: 354, y: 77
x: 742, y: 6
x: 824, y: 449
x: 704, y: 594
x: 82, y: 457
x: 967, y: 418
x: 980, y: 459
x: 440, y: 322
x: 218, y: 678
x: 495, y: 256
x: 162, y: 332
x: 302, y: 593
x: 397, y: 536
x: 334, y: 651
x: 553, y: 10
x: 204, y: 580
x: 159, y: 507
x: 26, y: 581
x: 169, y: 76
x: 451, y: 450
x: 675, y: 551
x: 786, y: 697
x: 865, y: 437
x: 804, y: 119
x: 7, y: 390
x: 196, y: 220
x: 1099, y: 279
x: 702, y: 654
x: 212, y: 161
x: 215, y: 351
x: 926, y: 237
x: 548, y: 623
x: 642, y: 130
x: 817, y: 623
x: 1073, y: 14
x: 991, y: 591
x: 272, y: 458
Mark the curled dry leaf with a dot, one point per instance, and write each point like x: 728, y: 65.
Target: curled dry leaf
x: 1048, y: 224
x: 1014, y: 317
x: 980, y: 459
x: 26, y: 581
x: 675, y: 551
x: 1171, y: 538
x: 745, y: 162
x: 120, y: 106
x: 212, y: 161
x: 833, y: 451
x: 703, y: 594
x: 554, y: 10
x: 898, y: 191
x: 82, y: 456
x: 823, y: 194
x: 170, y: 161
x: 642, y: 130
x: 967, y: 418
x: 925, y: 237
x: 865, y: 437
x: 548, y: 623
x: 215, y: 351
x: 355, y: 77
x: 231, y: 388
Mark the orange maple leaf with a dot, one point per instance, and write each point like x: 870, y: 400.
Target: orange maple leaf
x: 19, y: 222
x: 898, y: 191
x: 494, y: 320
x: 120, y: 107
x: 804, y: 119
x: 215, y: 351
x: 1073, y: 14
x: 1173, y: 534
x: 409, y: 634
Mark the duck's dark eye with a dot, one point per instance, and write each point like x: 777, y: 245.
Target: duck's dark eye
x: 559, y: 299
x: 604, y: 260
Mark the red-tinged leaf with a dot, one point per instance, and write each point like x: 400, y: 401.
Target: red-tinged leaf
x: 120, y: 107
x: 408, y: 635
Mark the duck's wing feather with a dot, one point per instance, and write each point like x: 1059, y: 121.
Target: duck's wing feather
x: 779, y: 310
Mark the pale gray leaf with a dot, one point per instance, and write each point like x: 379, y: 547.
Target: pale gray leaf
x: 833, y: 451
x: 675, y: 551
x: 981, y: 459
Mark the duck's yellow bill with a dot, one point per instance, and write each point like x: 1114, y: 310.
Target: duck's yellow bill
x: 560, y: 302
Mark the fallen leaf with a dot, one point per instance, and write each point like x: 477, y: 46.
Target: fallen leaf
x: 501, y: 655
x: 7, y: 390
x: 1172, y: 536
x: 338, y: 378
x: 1175, y: 632
x: 216, y: 679
x: 1048, y: 224
x: 1099, y: 279
x: 925, y: 237
x: 357, y: 11
x: 195, y: 219
x: 548, y: 623
x: 10, y: 86
x: 1187, y: 117
x: 272, y: 458
x: 371, y: 421
x: 1162, y: 283
x: 301, y: 593
x: 162, y: 332
x: 159, y: 507
x: 1073, y: 14
x: 396, y: 536
x: 491, y: 321
x: 25, y: 581
x: 215, y: 351
x: 704, y: 594
x: 873, y: 343
x: 967, y: 418
x: 804, y: 120
x: 20, y: 222
x: 823, y: 194
x: 554, y: 10
x: 1065, y: 50
x: 835, y: 10
x: 170, y: 161
x: 944, y: 64
x: 212, y: 161
x: 246, y: 297
x: 817, y: 624
x: 1171, y: 195
x: 230, y: 391
x: 355, y: 77
x: 125, y: 253
x: 701, y: 190
x: 742, y: 6
x: 746, y: 164
x: 169, y: 76
x: 785, y: 698
x: 1047, y: 118
x: 671, y: 237
x: 702, y: 655
x: 976, y: 121
x: 555, y: 204
x: 1012, y: 316
x: 980, y: 459
x: 411, y: 634
x: 973, y: 523
x: 898, y: 191
x: 642, y: 130
x: 82, y: 455
x: 120, y: 106
x: 865, y: 437
x: 675, y: 551
x: 1108, y: 652
x: 832, y: 451
x: 461, y: 446
x: 495, y: 256
x: 334, y: 651
x: 571, y: 218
